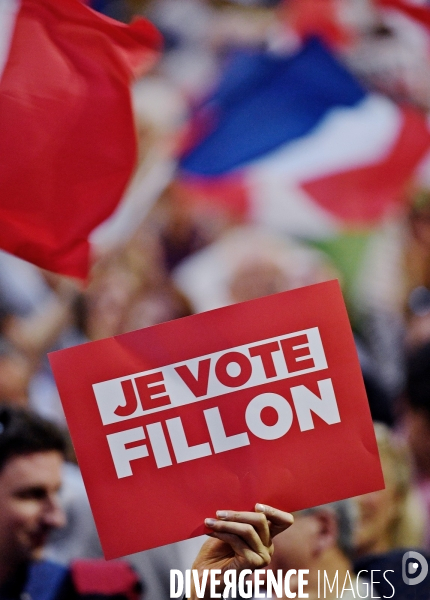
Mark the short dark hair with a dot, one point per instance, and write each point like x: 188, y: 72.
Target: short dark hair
x: 418, y: 379
x: 24, y: 432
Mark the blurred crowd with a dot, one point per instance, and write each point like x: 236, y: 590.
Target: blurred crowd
x: 186, y: 257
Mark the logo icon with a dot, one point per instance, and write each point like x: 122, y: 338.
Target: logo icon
x: 414, y: 568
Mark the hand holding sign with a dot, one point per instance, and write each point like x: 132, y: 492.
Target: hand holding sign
x: 240, y: 540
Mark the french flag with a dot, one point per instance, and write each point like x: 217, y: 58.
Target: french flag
x: 67, y: 135
x: 297, y: 144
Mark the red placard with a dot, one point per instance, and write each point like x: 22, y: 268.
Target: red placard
x: 261, y: 401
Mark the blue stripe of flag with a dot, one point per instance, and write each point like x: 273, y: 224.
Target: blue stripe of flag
x: 264, y: 101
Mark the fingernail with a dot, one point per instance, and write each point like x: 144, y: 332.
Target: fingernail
x: 222, y: 514
x: 260, y: 507
x: 210, y: 522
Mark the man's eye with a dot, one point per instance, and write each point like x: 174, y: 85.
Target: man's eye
x: 32, y: 494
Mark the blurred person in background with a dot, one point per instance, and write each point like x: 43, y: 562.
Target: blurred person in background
x: 245, y: 263
x: 416, y: 421
x: 392, y: 291
x: 131, y: 290
x: 393, y: 517
x: 417, y: 270
x: 321, y: 539
x: 395, y: 520
x: 108, y: 297
x: 16, y: 371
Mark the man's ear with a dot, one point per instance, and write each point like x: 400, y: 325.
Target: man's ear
x: 326, y: 530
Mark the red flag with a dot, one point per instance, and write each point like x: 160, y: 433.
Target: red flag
x: 67, y: 138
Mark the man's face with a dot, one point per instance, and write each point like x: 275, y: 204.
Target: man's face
x: 29, y: 508
x: 379, y: 511
x: 294, y: 547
